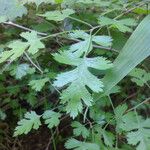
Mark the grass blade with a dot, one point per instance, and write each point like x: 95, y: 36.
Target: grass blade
x: 134, y: 52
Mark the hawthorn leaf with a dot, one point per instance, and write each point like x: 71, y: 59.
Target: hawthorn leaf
x: 120, y: 117
x: 78, y: 145
x: 37, y: 85
x: 72, y: 98
x: 66, y: 57
x: 139, y: 76
x: 98, y: 39
x: 102, y: 40
x: 96, y: 2
x: 5, y: 55
x: 51, y: 118
x: 104, y: 135
x: 99, y: 63
x: 81, y: 47
x: 80, y: 75
x: 11, y: 9
x: 80, y: 129
x: 33, y: 41
x: 79, y: 34
x: 140, y: 135
x: 38, y: 2
x: 17, y: 48
x: 31, y: 121
x: 78, y: 80
x: 57, y: 15
x: 2, y: 115
x: 108, y: 138
x: 31, y: 99
x: 20, y: 71
x: 123, y: 25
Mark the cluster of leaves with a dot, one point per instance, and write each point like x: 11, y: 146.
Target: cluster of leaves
x: 81, y: 72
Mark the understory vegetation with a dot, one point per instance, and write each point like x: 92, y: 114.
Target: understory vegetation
x: 74, y: 75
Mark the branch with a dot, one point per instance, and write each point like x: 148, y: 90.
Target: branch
x: 135, y: 107
x: 22, y: 27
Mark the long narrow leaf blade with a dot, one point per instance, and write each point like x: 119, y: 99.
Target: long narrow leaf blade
x: 134, y: 52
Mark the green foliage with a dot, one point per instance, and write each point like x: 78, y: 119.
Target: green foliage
x: 78, y: 145
x: 139, y: 76
x: 79, y: 79
x: 141, y: 136
x: 2, y: 115
x: 122, y: 25
x: 80, y: 129
x: 58, y: 15
x: 37, y: 85
x: 20, y: 71
x: 100, y: 40
x: 63, y: 60
x: 38, y: 2
x: 31, y: 121
x: 51, y: 118
x: 11, y: 9
x: 17, y: 48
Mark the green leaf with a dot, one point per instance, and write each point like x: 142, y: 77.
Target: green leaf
x: 78, y: 145
x: 99, y: 39
x: 96, y: 2
x: 78, y: 80
x: 57, y: 15
x: 18, y: 47
x: 2, y: 19
x: 140, y: 137
x: 139, y: 76
x: 81, y: 47
x: 38, y: 2
x: 11, y: 9
x: 108, y: 138
x: 31, y: 99
x: 59, y: 1
x: 33, y: 41
x: 122, y: 25
x: 102, y: 40
x: 105, y: 136
x: 66, y: 57
x: 5, y: 55
x: 37, y: 85
x: 133, y: 53
x: 20, y: 71
x: 51, y: 118
x: 2, y: 115
x: 79, y: 34
x: 123, y: 120
x: 80, y: 129
x: 30, y: 121
x: 141, y: 11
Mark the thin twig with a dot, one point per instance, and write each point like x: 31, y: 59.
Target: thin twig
x: 22, y: 27
x: 135, y: 107
x: 133, y: 8
x: 40, y: 70
x: 33, y: 63
x: 81, y: 21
